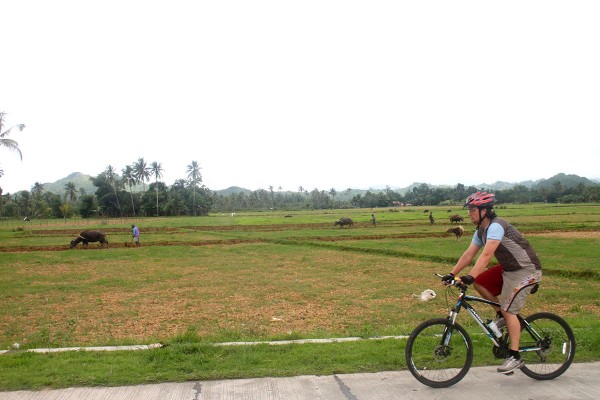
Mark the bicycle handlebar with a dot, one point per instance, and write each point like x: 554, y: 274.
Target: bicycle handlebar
x: 455, y: 282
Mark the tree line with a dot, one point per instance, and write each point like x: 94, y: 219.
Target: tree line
x: 422, y: 195
x: 116, y: 195
x: 120, y: 196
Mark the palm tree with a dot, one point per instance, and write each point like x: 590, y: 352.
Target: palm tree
x: 141, y: 171
x: 65, y: 210
x: 24, y: 201
x: 193, y: 173
x: 37, y: 189
x: 9, y: 143
x: 130, y: 178
x: 157, y: 172
x: 110, y: 178
x: 70, y: 192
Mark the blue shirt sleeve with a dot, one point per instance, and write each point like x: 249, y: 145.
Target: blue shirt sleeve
x: 476, y: 241
x: 495, y: 232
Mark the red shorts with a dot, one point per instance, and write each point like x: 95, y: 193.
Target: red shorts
x: 491, y: 279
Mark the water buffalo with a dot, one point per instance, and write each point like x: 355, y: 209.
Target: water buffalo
x: 456, y: 218
x: 90, y: 236
x: 344, y: 221
x: 458, y: 231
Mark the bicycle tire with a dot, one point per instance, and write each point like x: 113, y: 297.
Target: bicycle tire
x: 434, y: 364
x: 558, y: 344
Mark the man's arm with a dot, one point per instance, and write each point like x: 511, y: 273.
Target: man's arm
x: 466, y: 259
x: 485, y: 257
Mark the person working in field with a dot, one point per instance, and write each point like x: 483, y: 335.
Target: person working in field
x: 135, y: 234
x: 512, y: 280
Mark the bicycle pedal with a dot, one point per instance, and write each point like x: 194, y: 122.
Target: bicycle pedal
x: 509, y: 373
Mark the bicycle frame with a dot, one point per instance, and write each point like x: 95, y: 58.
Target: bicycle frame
x: 463, y: 302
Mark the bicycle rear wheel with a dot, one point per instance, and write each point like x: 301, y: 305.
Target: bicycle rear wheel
x: 557, y: 344
x: 439, y: 354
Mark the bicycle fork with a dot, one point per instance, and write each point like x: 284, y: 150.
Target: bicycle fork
x: 447, y: 335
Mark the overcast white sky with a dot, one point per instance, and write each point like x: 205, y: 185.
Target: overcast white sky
x: 319, y: 94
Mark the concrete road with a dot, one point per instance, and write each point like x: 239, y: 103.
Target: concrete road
x: 581, y: 381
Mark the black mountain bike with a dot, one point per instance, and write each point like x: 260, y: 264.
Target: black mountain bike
x: 439, y: 352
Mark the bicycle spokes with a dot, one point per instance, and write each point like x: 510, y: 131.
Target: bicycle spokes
x: 438, y: 353
x: 548, y: 346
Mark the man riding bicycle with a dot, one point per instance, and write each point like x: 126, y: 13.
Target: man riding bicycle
x: 512, y: 279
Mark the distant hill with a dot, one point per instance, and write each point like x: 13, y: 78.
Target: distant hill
x: 567, y: 181
x: 501, y: 185
x: 232, y: 189
x: 81, y: 181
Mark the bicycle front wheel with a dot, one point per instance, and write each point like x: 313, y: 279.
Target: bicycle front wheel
x: 438, y: 353
x: 556, y: 343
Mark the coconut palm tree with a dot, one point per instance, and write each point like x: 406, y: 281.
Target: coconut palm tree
x: 37, y: 189
x: 157, y: 171
x: 271, y: 192
x: 141, y: 171
x: 194, y: 176
x: 24, y: 201
x: 131, y: 180
x: 70, y: 192
x: 333, y: 193
x: 65, y: 210
x: 9, y: 143
x: 110, y: 178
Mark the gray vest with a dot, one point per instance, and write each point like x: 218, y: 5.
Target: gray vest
x: 514, y: 251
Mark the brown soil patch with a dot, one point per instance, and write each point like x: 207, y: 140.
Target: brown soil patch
x: 87, y: 303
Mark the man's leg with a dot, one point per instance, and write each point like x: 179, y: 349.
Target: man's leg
x: 514, y: 329
x: 517, y: 286
x: 486, y: 294
x: 489, y: 284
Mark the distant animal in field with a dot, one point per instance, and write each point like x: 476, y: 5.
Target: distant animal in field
x: 431, y: 220
x: 343, y: 222
x: 86, y: 237
x: 458, y: 231
x: 456, y: 218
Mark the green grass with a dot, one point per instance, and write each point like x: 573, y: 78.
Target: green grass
x: 194, y: 361
x: 190, y: 286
